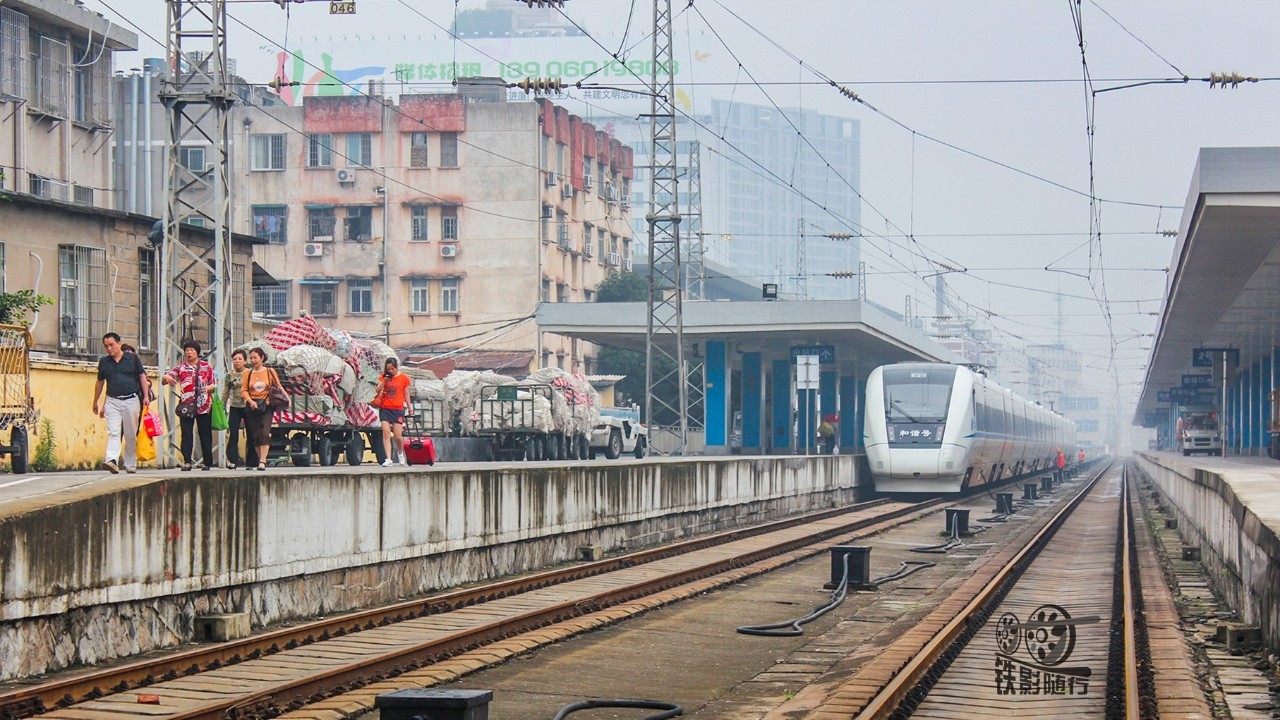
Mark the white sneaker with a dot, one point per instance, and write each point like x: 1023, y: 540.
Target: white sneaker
x: 404, y: 463
x: 387, y: 463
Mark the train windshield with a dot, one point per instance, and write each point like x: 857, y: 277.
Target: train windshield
x: 917, y: 394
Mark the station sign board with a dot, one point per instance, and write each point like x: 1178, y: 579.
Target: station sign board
x: 826, y: 354
x: 1163, y: 396
x: 1150, y: 420
x: 1183, y: 395
x: 1203, y: 357
x: 1197, y: 381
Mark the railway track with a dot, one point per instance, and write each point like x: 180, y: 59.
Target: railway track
x: 286, y: 669
x: 1048, y: 628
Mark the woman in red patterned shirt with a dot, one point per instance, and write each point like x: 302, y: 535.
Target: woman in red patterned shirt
x: 195, y: 384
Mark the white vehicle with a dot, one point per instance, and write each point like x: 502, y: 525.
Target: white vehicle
x: 945, y: 428
x: 1198, y: 432
x: 620, y: 431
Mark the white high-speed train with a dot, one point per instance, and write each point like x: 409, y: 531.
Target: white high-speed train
x: 944, y: 428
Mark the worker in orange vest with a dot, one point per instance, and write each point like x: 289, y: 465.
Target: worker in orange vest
x: 1062, y: 459
x: 1081, y: 455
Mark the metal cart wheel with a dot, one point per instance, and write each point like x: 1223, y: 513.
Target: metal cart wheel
x: 324, y: 451
x: 18, y: 455
x: 354, y: 449
x: 300, y: 450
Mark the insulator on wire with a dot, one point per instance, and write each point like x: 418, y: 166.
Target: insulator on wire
x: 540, y: 86
x: 1232, y: 79
x: 543, y: 3
x: 279, y: 82
x: 840, y: 235
x: 842, y: 274
x: 847, y: 92
x: 285, y: 3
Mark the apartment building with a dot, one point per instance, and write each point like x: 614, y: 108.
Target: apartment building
x: 55, y: 105
x: 436, y: 221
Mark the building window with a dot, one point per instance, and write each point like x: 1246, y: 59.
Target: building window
x: 419, y: 297
x: 448, y: 149
x: 319, y: 150
x: 601, y: 246
x: 546, y: 223
x: 82, y: 298
x: 84, y: 195
x: 272, y: 302
x: 321, y: 222
x: 358, y: 225
x: 268, y: 152
x: 562, y: 293
x: 546, y: 290
x: 49, y: 77
x: 418, y: 155
x: 271, y: 223
x: 449, y: 295
x: 588, y: 296
x: 449, y: 223
x: 360, y: 294
x: 420, y: 227
x: 148, y: 283
x: 359, y: 149
x: 322, y: 300
x: 14, y: 38
x: 192, y: 158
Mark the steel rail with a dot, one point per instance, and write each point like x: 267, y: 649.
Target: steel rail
x: 28, y: 701
x: 887, y: 700
x: 1132, y: 703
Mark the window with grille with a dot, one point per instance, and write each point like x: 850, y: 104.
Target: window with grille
x: 322, y: 300
x: 83, y: 195
x: 268, y: 151
x: 49, y: 188
x: 319, y: 150
x: 360, y: 295
x: 321, y: 222
x: 49, y: 77
x: 359, y: 149
x: 448, y: 149
x: 272, y: 302
x: 14, y: 41
x: 270, y: 222
x: 148, y: 287
x: 420, y: 228
x: 418, y: 155
x: 449, y: 223
x: 449, y: 295
x: 419, y: 296
x: 562, y: 293
x: 358, y: 225
x: 82, y: 298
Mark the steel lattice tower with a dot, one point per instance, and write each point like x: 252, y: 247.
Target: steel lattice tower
x: 195, y: 290
x: 664, y: 331
x: 696, y: 274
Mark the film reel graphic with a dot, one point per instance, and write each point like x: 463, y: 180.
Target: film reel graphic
x: 1049, y: 635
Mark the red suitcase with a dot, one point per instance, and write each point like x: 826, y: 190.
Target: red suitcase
x: 420, y: 451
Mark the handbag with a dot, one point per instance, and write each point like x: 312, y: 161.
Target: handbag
x: 219, y: 419
x: 277, y: 399
x: 190, y: 407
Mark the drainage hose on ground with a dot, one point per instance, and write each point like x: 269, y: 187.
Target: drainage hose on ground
x: 672, y: 710
x: 791, y: 628
x: 953, y: 542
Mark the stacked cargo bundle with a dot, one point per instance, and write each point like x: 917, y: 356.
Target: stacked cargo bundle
x: 329, y: 375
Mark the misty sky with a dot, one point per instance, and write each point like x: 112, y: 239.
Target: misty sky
x: 999, y: 79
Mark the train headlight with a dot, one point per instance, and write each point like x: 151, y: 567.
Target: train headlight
x: 1217, y: 438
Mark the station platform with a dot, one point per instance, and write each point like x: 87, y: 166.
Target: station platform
x: 1229, y: 508
x: 116, y: 565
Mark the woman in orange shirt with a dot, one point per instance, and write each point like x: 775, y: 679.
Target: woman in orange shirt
x: 392, y: 397
x: 255, y: 388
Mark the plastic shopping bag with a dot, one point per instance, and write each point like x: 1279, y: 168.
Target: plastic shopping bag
x: 146, y: 446
x: 152, y: 424
x: 219, y: 412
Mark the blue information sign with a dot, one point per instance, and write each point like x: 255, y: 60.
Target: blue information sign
x: 1163, y: 396
x: 1197, y: 381
x: 826, y: 353
x: 1203, y: 357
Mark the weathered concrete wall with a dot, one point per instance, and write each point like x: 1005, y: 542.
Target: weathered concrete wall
x: 1241, y: 551
x: 127, y: 572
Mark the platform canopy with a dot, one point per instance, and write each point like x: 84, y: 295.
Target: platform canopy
x: 857, y: 332
x: 1223, y: 288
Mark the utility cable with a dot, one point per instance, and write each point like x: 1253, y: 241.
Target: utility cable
x: 792, y: 628
x: 671, y: 709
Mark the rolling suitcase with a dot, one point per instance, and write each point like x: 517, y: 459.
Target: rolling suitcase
x: 418, y: 448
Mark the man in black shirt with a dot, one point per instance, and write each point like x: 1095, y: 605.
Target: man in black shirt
x: 126, y: 381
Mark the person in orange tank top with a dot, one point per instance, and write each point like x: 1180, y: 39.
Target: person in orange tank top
x: 393, y: 403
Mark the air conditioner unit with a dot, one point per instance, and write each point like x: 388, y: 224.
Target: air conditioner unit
x: 346, y: 177
x: 614, y: 260
x: 626, y: 264
x: 448, y: 251
x: 586, y: 182
x: 551, y: 178
x: 313, y: 250
x: 566, y: 191
x: 626, y: 207
x: 586, y: 249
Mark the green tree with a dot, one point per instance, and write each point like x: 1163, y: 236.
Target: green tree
x: 623, y: 287
x: 15, y: 306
